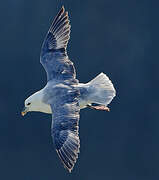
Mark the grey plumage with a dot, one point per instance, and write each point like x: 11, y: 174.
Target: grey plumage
x: 65, y: 126
x: 63, y: 96
x: 53, y: 53
x: 60, y: 91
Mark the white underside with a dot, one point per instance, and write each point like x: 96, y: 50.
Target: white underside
x: 99, y: 90
x: 45, y: 108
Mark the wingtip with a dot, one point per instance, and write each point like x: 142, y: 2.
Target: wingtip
x: 66, y: 13
x: 62, y: 8
x: 70, y: 170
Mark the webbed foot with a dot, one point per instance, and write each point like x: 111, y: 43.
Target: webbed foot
x: 100, y: 107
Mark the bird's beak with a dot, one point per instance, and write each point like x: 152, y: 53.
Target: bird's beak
x: 24, y: 111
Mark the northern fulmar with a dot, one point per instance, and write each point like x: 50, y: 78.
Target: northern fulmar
x: 63, y: 96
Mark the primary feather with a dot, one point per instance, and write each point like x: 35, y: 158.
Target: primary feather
x: 65, y: 128
x: 53, y: 53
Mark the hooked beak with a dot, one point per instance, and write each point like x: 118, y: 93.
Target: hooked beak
x: 24, y: 111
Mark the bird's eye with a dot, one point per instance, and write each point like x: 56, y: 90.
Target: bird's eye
x: 28, y: 104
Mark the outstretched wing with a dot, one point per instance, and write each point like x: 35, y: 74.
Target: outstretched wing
x: 53, y: 53
x: 64, y: 129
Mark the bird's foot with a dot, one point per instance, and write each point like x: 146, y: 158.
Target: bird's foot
x: 100, y: 107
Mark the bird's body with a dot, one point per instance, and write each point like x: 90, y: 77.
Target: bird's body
x: 63, y: 96
x: 86, y: 91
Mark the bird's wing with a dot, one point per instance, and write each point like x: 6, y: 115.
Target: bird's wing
x: 64, y: 129
x: 53, y: 53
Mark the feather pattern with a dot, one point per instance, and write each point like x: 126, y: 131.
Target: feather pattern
x: 64, y: 94
x: 65, y: 128
x: 53, y: 53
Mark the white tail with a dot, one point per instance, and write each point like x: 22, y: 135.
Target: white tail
x: 102, y: 90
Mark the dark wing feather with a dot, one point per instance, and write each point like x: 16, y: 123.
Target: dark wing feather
x: 53, y: 53
x: 64, y: 129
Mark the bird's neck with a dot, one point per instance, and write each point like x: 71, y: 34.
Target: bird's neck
x: 39, y: 103
x: 38, y: 96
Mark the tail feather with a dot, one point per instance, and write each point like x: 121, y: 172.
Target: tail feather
x: 102, y: 90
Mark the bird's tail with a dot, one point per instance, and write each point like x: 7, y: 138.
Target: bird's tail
x: 102, y: 90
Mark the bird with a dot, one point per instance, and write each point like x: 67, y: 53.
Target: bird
x: 63, y: 95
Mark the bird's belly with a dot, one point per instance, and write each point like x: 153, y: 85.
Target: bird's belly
x: 83, y: 104
x: 46, y: 108
x: 84, y: 95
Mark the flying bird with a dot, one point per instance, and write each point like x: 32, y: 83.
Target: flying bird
x: 63, y: 96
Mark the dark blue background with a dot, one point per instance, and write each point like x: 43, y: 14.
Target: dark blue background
x: 118, y: 37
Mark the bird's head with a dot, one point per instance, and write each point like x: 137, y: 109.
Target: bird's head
x: 32, y: 103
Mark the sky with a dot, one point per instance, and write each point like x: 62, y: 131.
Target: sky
x: 117, y: 37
